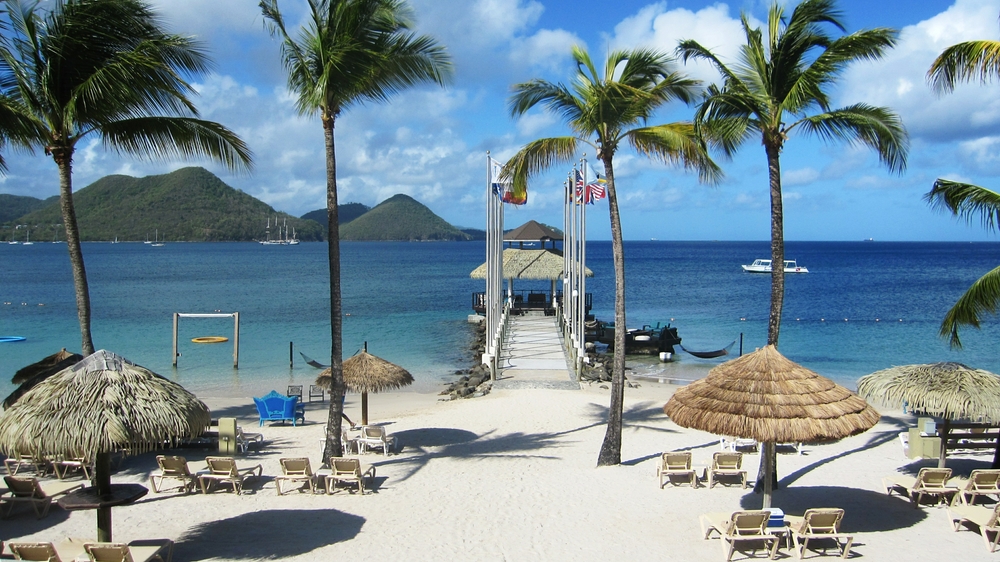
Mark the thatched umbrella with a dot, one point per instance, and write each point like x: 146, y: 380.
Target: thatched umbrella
x: 366, y: 373
x: 950, y: 391
x: 766, y: 397
x: 28, y: 377
x: 101, y: 405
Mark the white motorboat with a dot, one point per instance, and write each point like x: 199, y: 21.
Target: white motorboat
x: 764, y: 266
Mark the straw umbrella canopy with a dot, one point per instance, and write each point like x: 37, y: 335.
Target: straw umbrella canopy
x: 28, y: 377
x: 366, y: 373
x: 951, y: 391
x: 96, y: 407
x: 766, y: 397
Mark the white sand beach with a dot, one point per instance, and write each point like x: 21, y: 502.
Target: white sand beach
x: 511, y: 476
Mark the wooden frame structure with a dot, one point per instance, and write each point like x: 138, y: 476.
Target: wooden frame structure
x: 236, y: 331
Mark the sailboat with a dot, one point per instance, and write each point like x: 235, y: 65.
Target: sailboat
x: 156, y: 236
x: 27, y: 238
x: 147, y: 239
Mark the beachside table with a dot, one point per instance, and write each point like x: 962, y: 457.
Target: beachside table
x: 88, y: 498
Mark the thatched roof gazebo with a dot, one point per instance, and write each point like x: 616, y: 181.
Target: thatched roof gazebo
x: 529, y: 264
x: 533, y: 231
x: 766, y: 397
x: 99, y: 406
x: 366, y: 373
x: 28, y: 377
x: 950, y: 391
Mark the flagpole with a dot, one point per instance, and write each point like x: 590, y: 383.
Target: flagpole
x: 583, y: 257
x: 567, y: 241
x: 489, y: 256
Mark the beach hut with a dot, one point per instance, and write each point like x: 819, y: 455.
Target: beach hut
x: 950, y: 391
x: 366, y: 373
x: 541, y: 265
x: 531, y: 232
x: 766, y: 397
x: 102, y: 405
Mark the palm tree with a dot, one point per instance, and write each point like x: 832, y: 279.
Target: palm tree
x: 776, y: 87
x: 351, y: 51
x: 962, y: 63
x: 104, y: 67
x: 605, y: 110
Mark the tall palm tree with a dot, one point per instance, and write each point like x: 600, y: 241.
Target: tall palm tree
x: 350, y: 52
x: 105, y: 68
x: 605, y: 110
x: 777, y: 86
x: 965, y: 62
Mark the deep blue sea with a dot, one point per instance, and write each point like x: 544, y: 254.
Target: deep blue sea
x: 864, y: 306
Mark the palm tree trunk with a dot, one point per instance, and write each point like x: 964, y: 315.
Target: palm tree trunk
x: 337, y: 387
x: 777, y: 245
x: 64, y: 160
x: 611, y: 449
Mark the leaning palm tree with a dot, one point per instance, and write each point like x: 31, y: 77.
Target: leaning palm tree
x: 605, y: 110
x: 965, y: 62
x: 350, y: 51
x: 105, y: 68
x: 777, y: 87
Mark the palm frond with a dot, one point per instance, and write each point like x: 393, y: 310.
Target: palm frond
x: 536, y: 156
x: 980, y: 299
x: 676, y: 143
x: 167, y: 137
x: 963, y: 62
x: 966, y: 201
x: 556, y: 98
x: 876, y: 127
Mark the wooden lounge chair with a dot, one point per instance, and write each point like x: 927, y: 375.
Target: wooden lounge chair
x: 741, y: 526
x: 929, y: 482
x: 349, y: 471
x: 984, y: 518
x: 295, y: 470
x: 64, y: 464
x: 676, y: 467
x: 815, y: 524
x: 17, y: 462
x: 224, y: 470
x: 982, y: 482
x: 174, y: 468
x: 160, y: 550
x: 66, y: 551
x: 31, y: 491
x: 374, y: 436
x: 726, y: 464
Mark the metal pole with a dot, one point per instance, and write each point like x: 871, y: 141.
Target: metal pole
x: 175, y: 339
x: 291, y: 363
x: 236, y: 340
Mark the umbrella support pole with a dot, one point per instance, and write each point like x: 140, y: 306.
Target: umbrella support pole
x: 767, y: 457
x: 102, y: 479
x: 364, y: 408
x: 944, y: 442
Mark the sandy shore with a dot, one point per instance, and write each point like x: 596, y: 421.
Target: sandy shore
x: 511, y: 476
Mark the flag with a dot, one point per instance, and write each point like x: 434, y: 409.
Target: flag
x: 580, y: 191
x: 596, y: 190
x: 505, y: 189
x: 495, y: 168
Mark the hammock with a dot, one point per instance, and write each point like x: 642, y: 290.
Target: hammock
x: 709, y: 354
x: 309, y: 360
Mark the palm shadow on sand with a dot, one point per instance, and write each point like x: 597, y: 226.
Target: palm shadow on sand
x: 287, y: 535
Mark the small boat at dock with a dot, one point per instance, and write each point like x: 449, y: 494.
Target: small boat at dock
x: 764, y: 266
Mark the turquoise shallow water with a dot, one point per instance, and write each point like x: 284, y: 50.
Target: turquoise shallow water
x: 864, y: 306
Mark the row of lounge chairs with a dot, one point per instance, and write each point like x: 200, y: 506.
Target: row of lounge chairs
x: 760, y: 527
x: 224, y: 471
x: 676, y: 467
x: 936, y: 483
x: 156, y: 550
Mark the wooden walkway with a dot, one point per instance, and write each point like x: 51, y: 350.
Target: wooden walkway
x: 534, y: 357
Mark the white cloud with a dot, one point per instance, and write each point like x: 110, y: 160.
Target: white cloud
x: 803, y: 176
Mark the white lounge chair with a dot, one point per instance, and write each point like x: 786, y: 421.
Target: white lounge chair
x: 224, y: 470
x: 987, y: 520
x: 675, y: 467
x: 739, y: 527
x: 30, y: 491
x: 929, y: 482
x: 375, y: 437
x: 819, y: 524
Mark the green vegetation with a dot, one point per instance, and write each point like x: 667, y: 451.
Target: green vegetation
x: 400, y: 218
x: 190, y: 204
x: 345, y: 213
x: 16, y: 206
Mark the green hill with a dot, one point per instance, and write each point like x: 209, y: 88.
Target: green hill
x: 190, y: 204
x: 345, y: 214
x: 400, y: 218
x: 16, y: 206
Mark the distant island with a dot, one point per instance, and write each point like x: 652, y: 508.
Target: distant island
x: 193, y: 205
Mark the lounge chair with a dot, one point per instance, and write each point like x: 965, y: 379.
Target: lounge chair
x: 349, y: 471
x: 224, y: 470
x: 66, y: 551
x: 174, y: 468
x: 982, y: 482
x: 676, y: 467
x: 374, y: 436
x: 984, y: 518
x: 160, y: 550
x: 726, y: 464
x: 735, y: 444
x: 17, y: 462
x: 64, y: 464
x: 295, y: 390
x: 31, y: 491
x: 929, y: 482
x: 245, y: 440
x: 822, y: 523
x: 295, y: 470
x: 741, y: 526
x: 316, y: 391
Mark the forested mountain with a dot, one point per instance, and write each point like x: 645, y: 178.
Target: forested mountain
x: 345, y: 214
x: 400, y: 218
x: 16, y: 206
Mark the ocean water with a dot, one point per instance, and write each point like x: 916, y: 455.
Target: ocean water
x: 864, y: 306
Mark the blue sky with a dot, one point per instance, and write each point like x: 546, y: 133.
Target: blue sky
x: 430, y: 143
